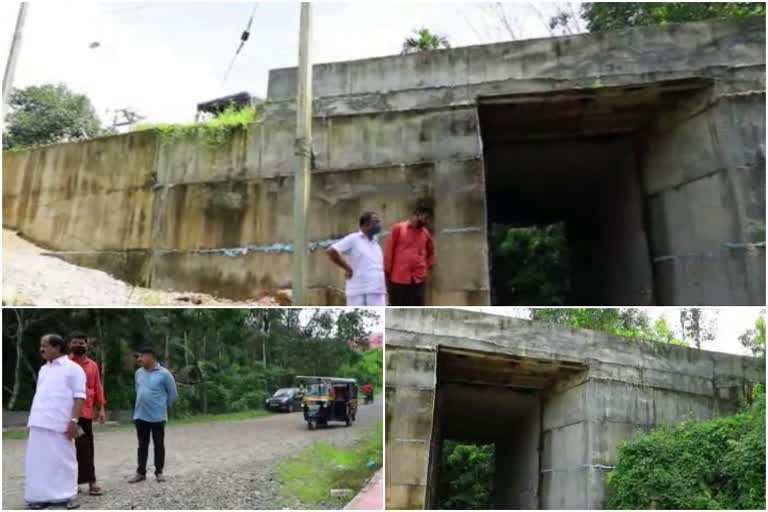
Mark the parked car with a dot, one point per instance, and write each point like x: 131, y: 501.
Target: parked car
x: 285, y: 399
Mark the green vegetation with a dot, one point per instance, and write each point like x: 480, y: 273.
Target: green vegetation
x: 367, y: 369
x: 603, y: 16
x: 310, y: 475
x: 530, y: 265
x: 15, y: 434
x: 212, y: 132
x: 714, y: 464
x: 46, y: 114
x: 423, y: 40
x: 627, y: 322
x: 754, y: 339
x: 466, y: 476
x: 225, y: 361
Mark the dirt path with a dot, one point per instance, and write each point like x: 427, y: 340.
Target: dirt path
x: 223, y: 465
x: 33, y: 278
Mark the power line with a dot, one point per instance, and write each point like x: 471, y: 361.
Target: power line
x: 243, y: 38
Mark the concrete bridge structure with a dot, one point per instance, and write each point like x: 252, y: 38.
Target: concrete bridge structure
x: 556, y: 402
x: 648, y: 144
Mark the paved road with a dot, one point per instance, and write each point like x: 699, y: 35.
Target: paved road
x: 223, y: 465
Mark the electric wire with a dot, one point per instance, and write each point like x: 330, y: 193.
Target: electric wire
x: 243, y: 38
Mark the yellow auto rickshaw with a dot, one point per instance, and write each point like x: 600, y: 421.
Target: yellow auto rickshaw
x: 328, y: 399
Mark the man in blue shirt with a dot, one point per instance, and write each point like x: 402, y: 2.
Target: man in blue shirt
x: 155, y: 392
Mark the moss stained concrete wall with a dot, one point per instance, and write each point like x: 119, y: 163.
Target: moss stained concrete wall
x: 626, y: 387
x: 390, y: 132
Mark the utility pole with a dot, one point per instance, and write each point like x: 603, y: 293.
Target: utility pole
x: 303, y: 149
x: 13, y: 55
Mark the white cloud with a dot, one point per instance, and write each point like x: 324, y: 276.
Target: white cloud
x: 124, y: 71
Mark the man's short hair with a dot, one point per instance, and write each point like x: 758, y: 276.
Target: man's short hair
x: 55, y: 340
x: 77, y: 335
x: 147, y: 350
x: 423, y: 210
x: 366, y: 218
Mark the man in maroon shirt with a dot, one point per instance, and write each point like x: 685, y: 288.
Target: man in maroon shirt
x: 94, y: 395
x: 409, y: 254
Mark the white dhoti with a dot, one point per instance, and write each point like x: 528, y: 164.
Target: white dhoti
x: 51, y: 467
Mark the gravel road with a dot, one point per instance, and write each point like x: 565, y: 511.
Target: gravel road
x: 33, y: 278
x: 221, y: 465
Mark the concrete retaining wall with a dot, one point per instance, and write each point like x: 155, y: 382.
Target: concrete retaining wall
x: 390, y: 132
x: 628, y: 387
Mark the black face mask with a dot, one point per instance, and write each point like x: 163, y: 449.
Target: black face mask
x: 79, y: 351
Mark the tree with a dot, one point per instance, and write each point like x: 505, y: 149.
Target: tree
x: 626, y: 322
x: 218, y: 356
x: 503, y: 20
x: 47, y: 114
x: 754, y: 339
x: 466, y: 476
x: 602, y: 16
x: 530, y: 265
x: 695, y: 326
x: 423, y: 40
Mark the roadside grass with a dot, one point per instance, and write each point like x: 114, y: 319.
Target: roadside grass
x: 310, y: 475
x: 230, y: 416
x: 22, y: 433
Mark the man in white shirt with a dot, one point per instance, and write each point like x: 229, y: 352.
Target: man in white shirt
x: 51, y: 459
x: 359, y: 254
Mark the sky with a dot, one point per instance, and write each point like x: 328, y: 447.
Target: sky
x: 730, y: 323
x: 162, y: 58
x: 375, y: 323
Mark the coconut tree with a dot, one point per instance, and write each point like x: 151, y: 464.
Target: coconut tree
x: 424, y: 40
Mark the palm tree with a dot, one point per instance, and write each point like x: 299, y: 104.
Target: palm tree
x: 423, y: 40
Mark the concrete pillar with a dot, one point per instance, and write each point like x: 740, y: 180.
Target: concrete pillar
x: 516, y: 485
x: 410, y: 401
x: 564, y: 456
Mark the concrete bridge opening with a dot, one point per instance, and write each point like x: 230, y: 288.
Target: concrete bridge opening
x: 578, y: 157
x: 487, y: 398
x: 556, y: 403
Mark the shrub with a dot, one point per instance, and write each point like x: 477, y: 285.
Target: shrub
x: 713, y: 464
x: 213, y: 132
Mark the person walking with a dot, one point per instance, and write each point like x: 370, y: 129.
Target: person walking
x: 50, y: 469
x: 94, y: 396
x: 155, y: 393
x: 409, y: 255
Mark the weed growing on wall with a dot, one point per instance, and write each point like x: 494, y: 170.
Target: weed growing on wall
x: 714, y: 464
x: 212, y: 132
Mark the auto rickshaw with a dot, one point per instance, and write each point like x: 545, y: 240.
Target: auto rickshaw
x: 329, y: 399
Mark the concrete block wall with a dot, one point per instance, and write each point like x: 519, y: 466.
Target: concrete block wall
x: 705, y: 186
x: 390, y: 132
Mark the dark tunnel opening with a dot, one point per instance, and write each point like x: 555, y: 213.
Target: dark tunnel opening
x: 565, y: 205
x: 487, y: 429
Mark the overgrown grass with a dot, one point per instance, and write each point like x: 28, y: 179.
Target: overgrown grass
x: 213, y: 132
x: 310, y: 475
x: 17, y: 433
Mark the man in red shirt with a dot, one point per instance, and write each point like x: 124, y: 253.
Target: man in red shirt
x: 367, y: 390
x: 409, y: 254
x: 94, y: 395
